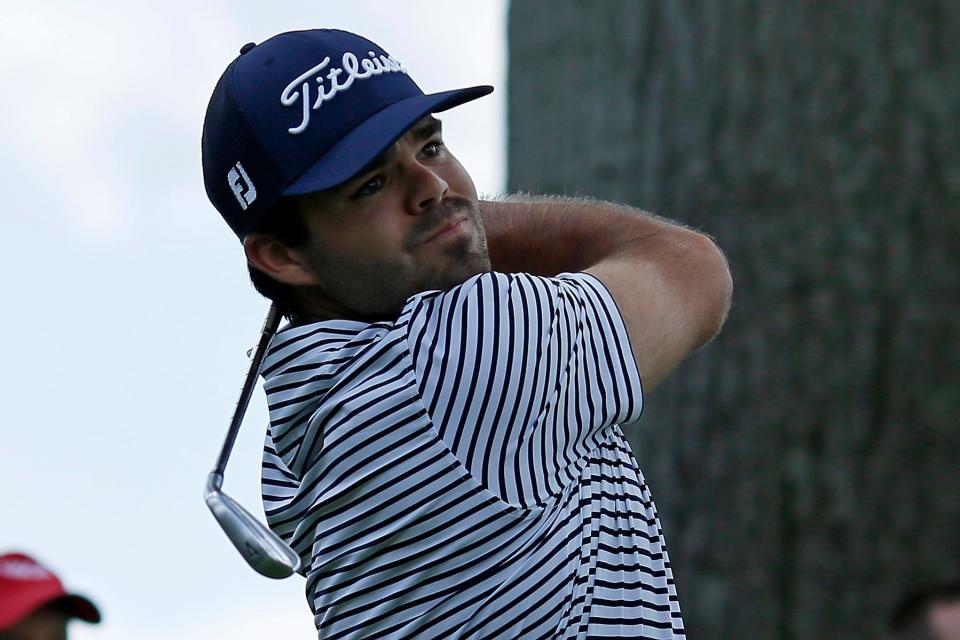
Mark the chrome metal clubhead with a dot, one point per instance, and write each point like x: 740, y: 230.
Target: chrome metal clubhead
x: 260, y: 547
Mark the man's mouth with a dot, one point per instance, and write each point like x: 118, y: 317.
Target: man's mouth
x: 448, y: 229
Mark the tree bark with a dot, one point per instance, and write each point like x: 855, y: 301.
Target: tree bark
x: 806, y: 462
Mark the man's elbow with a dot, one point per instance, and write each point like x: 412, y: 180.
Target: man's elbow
x: 715, y: 289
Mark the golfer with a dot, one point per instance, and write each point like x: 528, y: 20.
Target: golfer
x: 444, y: 450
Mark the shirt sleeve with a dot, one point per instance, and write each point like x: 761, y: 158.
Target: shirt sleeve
x: 523, y: 376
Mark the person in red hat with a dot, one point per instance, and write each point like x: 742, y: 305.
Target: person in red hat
x: 34, y: 604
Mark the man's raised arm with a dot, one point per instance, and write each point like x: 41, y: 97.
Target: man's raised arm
x: 672, y: 284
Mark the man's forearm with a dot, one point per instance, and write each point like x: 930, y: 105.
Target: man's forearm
x: 672, y: 285
x: 547, y: 236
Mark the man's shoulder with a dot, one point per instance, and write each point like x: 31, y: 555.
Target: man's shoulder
x: 327, y: 344
x: 497, y: 289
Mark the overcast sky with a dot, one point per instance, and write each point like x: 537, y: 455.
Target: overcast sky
x: 127, y: 308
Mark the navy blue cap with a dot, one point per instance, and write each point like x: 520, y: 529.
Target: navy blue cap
x: 306, y: 111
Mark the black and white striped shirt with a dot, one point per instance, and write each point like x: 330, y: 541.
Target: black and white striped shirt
x: 460, y: 472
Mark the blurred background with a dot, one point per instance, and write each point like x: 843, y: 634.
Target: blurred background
x: 804, y: 464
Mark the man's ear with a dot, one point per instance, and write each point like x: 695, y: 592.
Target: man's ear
x: 277, y: 260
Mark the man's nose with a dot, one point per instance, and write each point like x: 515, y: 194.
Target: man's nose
x: 426, y: 189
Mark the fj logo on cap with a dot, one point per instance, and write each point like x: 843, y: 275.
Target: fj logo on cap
x: 352, y: 67
x: 241, y: 185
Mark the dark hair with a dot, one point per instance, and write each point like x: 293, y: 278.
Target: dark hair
x: 910, y: 615
x: 284, y: 223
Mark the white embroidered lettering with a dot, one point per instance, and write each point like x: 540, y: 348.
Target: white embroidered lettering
x: 302, y: 82
x: 376, y: 62
x: 350, y: 65
x: 321, y: 94
x: 332, y: 77
x: 241, y: 185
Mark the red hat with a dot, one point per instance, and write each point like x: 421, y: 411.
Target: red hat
x: 25, y: 586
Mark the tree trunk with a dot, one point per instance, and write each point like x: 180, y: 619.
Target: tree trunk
x: 806, y: 462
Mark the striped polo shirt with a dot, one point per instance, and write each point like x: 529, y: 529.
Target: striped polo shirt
x: 460, y: 472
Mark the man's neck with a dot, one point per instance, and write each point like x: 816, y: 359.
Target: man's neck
x: 319, y: 308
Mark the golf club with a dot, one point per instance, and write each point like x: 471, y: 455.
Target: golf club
x: 262, y: 548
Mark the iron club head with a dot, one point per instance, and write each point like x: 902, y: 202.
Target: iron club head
x: 261, y: 548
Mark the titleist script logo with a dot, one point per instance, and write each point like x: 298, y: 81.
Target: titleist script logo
x: 352, y: 68
x: 241, y: 185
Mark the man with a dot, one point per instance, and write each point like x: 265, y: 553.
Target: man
x: 930, y: 613
x: 444, y: 450
x: 34, y: 604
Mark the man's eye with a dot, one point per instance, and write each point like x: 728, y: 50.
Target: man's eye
x: 433, y: 148
x: 370, y: 187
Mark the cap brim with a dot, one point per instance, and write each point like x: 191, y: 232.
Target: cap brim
x: 77, y: 606
x: 359, y: 147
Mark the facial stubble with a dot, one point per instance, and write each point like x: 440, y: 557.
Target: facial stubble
x: 377, y: 289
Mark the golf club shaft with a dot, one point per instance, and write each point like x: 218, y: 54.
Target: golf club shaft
x: 270, y: 325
